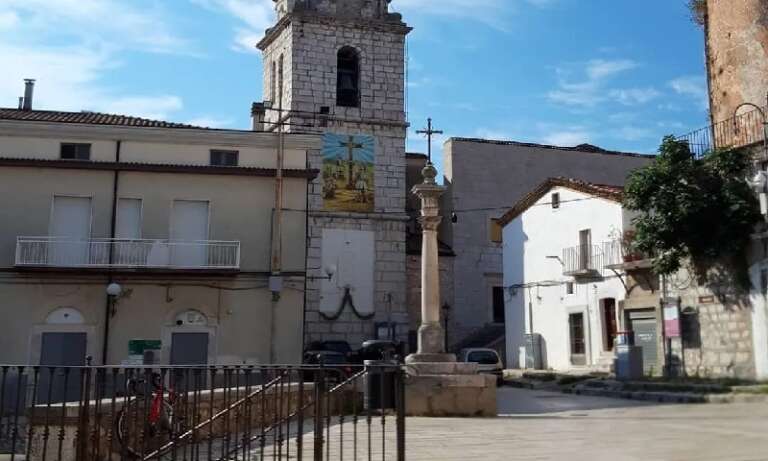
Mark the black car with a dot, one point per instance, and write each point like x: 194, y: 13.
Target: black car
x: 380, y: 350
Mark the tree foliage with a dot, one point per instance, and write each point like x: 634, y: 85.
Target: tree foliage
x: 702, y: 210
x: 698, y: 11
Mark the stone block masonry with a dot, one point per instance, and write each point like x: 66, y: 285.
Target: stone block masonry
x: 307, y: 39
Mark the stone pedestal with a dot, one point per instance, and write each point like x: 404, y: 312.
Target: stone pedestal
x: 437, y: 385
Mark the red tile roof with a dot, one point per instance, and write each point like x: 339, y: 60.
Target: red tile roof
x: 608, y: 192
x: 87, y: 118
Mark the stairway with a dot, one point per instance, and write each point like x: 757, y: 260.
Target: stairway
x: 488, y: 336
x: 604, y: 363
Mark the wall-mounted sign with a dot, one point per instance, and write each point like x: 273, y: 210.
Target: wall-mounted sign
x: 671, y: 308
x: 143, y: 352
x: 348, y: 172
x: 707, y: 299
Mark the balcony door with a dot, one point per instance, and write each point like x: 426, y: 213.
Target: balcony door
x: 585, y: 249
x: 128, y: 251
x: 71, y: 230
x: 189, y: 229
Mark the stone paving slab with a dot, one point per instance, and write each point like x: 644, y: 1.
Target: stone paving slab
x: 552, y: 426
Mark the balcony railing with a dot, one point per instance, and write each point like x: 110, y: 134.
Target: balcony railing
x: 616, y: 255
x: 126, y: 253
x: 582, y: 260
x: 739, y: 131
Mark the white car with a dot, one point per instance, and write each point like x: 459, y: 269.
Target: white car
x: 487, y: 360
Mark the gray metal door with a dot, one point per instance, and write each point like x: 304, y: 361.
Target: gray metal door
x: 189, y: 349
x: 645, y: 336
x: 61, y: 350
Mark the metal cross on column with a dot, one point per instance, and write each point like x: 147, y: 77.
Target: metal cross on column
x: 429, y: 131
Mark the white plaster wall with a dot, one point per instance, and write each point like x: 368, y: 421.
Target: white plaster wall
x: 759, y: 322
x: 540, y: 232
x: 147, y: 152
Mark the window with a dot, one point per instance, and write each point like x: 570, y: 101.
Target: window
x: 348, y: 78
x: 498, y: 304
x: 495, y: 231
x: 128, y: 218
x: 280, y: 84
x: 555, y: 201
x: 576, y: 327
x: 75, y: 151
x: 585, y: 249
x: 224, y: 157
x: 273, y: 82
x: 570, y: 288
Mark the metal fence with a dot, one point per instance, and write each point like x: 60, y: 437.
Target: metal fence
x: 126, y: 253
x: 582, y: 260
x: 739, y: 131
x: 202, y: 413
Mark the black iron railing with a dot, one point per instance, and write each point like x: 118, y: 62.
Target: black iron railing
x: 202, y: 413
x: 742, y: 130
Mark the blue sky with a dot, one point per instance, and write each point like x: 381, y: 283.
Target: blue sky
x: 616, y: 73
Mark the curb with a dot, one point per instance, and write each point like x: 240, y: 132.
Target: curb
x: 672, y: 397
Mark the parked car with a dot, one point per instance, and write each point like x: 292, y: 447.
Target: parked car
x: 380, y: 350
x: 487, y: 360
x: 337, y: 363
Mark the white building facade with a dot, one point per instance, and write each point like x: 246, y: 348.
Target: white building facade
x: 557, y: 242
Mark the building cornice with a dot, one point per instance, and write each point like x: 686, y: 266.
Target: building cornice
x: 155, y: 168
x: 313, y: 18
x: 159, y: 135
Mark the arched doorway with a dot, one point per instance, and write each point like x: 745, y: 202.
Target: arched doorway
x: 190, y: 338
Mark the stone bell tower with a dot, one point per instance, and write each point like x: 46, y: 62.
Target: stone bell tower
x: 337, y: 68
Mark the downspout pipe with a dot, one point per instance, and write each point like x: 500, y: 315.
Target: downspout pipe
x: 112, y: 231
x: 277, y: 234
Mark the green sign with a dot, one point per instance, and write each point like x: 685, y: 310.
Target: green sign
x: 138, y: 346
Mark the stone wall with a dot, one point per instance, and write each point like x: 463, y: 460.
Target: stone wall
x: 312, y: 34
x: 721, y: 344
x: 737, y: 54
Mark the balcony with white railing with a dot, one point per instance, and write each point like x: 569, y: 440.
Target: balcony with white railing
x: 128, y: 254
x: 619, y: 254
x: 583, y: 261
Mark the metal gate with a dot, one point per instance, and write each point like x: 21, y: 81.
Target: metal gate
x: 204, y: 413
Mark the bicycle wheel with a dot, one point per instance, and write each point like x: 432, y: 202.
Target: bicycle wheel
x: 137, y: 436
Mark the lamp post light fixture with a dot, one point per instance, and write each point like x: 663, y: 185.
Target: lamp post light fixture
x: 114, y: 289
x: 446, y: 308
x: 330, y: 271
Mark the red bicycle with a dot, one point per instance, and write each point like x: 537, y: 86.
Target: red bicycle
x: 148, y: 421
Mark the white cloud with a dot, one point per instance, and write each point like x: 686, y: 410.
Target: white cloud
x: 598, y: 69
x: 255, y: 17
x: 567, y: 138
x: 692, y: 86
x: 594, y: 89
x: 8, y: 19
x: 155, y: 107
x: 634, y: 96
x: 210, y: 122
x: 494, y: 13
x: 69, y: 46
x: 107, y: 22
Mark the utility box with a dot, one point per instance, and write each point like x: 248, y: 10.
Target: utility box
x: 534, y: 359
x: 380, y: 384
x: 629, y: 362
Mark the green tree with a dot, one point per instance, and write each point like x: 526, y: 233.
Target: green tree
x: 701, y: 210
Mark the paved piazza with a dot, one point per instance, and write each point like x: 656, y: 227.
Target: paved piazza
x: 547, y: 426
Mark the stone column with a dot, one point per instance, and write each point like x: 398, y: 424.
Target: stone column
x: 431, y: 333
